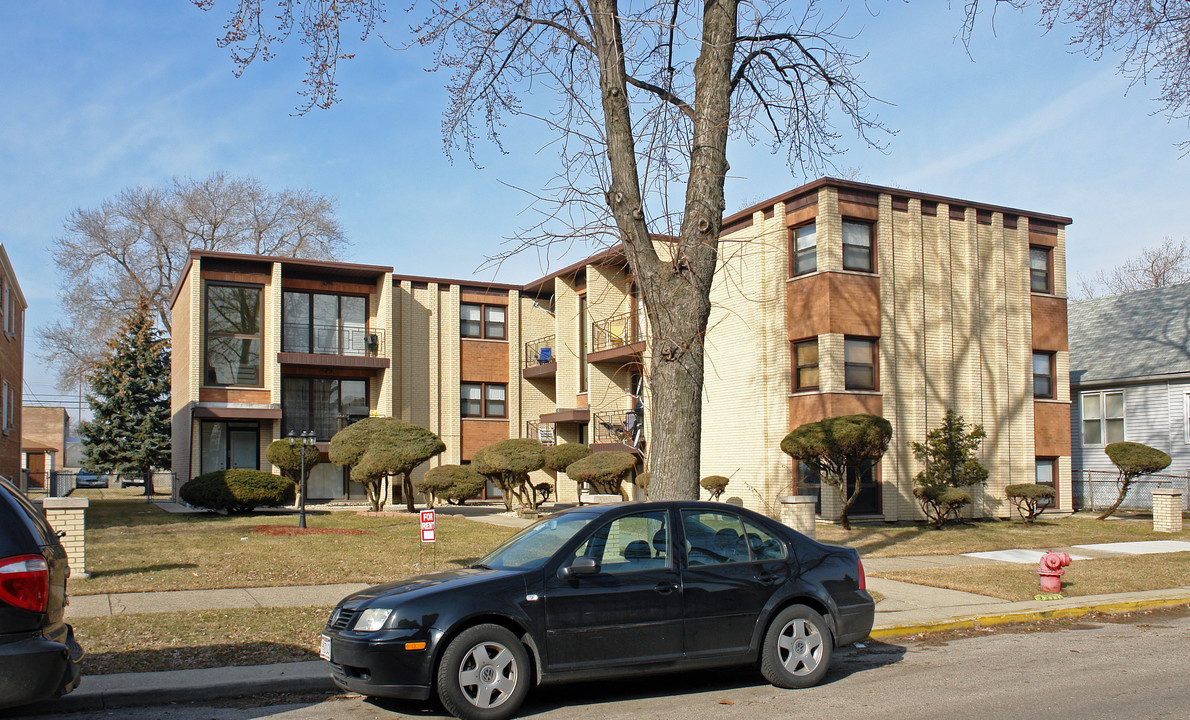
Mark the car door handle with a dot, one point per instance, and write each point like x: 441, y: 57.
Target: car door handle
x: 766, y: 578
x: 665, y: 588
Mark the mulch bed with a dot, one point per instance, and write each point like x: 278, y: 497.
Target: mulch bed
x: 286, y: 530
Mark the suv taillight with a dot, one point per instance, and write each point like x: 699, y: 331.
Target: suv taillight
x: 863, y: 578
x: 25, y: 582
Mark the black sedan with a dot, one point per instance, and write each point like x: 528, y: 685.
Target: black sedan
x: 603, y: 591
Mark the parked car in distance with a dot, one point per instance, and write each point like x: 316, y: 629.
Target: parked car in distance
x: 39, y: 657
x: 604, y: 591
x: 131, y: 477
x: 90, y: 479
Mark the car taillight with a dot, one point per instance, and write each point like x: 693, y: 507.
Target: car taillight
x: 25, y: 582
x: 863, y: 579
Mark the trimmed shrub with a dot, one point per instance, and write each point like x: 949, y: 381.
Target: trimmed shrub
x: 835, y: 444
x: 238, y: 490
x: 715, y: 485
x: 1029, y: 499
x: 603, y: 471
x: 379, y: 447
x: 1132, y: 460
x: 508, y: 464
x: 559, y: 457
x: 452, y: 484
x: 289, y: 459
x: 941, y: 502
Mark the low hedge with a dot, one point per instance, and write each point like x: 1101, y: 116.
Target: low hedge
x: 453, y: 484
x: 238, y: 490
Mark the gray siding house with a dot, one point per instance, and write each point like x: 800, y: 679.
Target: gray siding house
x: 1130, y: 380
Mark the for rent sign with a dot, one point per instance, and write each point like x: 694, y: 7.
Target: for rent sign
x: 427, y: 526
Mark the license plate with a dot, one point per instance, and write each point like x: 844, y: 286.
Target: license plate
x: 324, y: 651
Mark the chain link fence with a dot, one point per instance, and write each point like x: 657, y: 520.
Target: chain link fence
x: 1098, y: 489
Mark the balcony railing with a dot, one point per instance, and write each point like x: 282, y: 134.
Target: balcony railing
x: 626, y: 428
x: 333, y: 339
x: 324, y: 425
x: 542, y: 432
x: 615, y: 331
x: 539, y: 352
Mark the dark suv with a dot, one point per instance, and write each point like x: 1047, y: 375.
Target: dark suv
x: 39, y: 658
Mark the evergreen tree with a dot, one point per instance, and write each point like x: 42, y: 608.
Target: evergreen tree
x: 129, y: 399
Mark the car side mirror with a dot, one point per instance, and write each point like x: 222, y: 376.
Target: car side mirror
x: 583, y: 565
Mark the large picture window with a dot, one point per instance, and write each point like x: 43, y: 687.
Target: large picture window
x: 323, y: 405
x: 229, y: 445
x: 1103, y: 418
x: 233, y: 335
x: 324, y: 324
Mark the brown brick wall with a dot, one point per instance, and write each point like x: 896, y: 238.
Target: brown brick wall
x: 45, y: 426
x: 12, y: 370
x: 483, y: 361
x: 481, y: 433
x: 817, y: 406
x: 1049, y: 323
x: 1051, y: 429
x: 237, y: 395
x: 844, y: 303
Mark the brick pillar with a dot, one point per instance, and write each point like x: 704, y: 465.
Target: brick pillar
x: 68, y: 515
x: 797, y: 511
x: 1167, y: 510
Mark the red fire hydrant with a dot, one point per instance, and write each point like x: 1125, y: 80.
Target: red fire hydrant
x: 1051, y: 569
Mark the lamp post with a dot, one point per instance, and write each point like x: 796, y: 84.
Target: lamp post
x: 306, y: 440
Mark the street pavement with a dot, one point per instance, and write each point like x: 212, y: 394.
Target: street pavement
x: 906, y: 609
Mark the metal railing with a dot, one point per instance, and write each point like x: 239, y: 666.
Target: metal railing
x: 333, y: 339
x: 539, y: 352
x: 615, y: 331
x: 626, y: 428
x: 1098, y: 489
x: 542, y: 432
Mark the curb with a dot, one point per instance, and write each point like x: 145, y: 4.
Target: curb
x: 1025, y: 616
x: 106, y: 692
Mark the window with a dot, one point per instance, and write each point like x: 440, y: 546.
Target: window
x: 4, y: 408
x: 5, y: 304
x: 859, y: 364
x: 228, y: 445
x: 857, y: 246
x: 484, y: 400
x: 805, y: 360
x: 582, y: 343
x: 1047, y: 469
x: 1039, y: 269
x: 630, y: 543
x: 324, y: 324
x: 716, y: 538
x: 323, y: 405
x: 233, y: 335
x: 805, y: 250
x: 1043, y: 375
x: 482, y: 321
x: 1103, y: 418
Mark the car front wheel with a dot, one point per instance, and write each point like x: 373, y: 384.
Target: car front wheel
x: 797, y: 648
x: 484, y: 674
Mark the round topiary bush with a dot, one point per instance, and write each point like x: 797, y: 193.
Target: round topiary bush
x: 454, y: 484
x: 560, y: 457
x: 1030, y: 499
x: 238, y: 490
x: 603, y: 471
x: 715, y: 485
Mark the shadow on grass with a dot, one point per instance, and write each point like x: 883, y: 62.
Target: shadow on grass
x: 847, y: 661
x: 194, y: 657
x: 95, y: 574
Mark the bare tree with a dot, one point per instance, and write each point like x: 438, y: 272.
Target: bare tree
x: 1156, y: 266
x: 647, y: 96
x: 135, y: 244
x: 1152, y: 40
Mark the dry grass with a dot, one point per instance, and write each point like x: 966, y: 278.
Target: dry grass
x: 891, y: 539
x: 1015, y: 582
x: 133, y: 546
x: 198, y: 639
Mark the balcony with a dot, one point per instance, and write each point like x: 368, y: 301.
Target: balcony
x: 333, y: 345
x: 616, y: 339
x: 539, y: 359
x: 618, y: 431
x: 542, y: 432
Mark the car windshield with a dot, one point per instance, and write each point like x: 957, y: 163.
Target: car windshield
x: 531, y: 547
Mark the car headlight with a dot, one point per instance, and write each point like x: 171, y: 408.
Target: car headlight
x: 372, y: 619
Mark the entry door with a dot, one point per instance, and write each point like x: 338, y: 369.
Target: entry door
x: 629, y: 612
x: 243, y: 445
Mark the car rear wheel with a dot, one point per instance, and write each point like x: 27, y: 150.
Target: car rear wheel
x: 484, y: 674
x: 797, y: 648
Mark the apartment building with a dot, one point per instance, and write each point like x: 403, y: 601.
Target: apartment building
x: 834, y: 298
x: 43, y: 442
x: 12, y: 367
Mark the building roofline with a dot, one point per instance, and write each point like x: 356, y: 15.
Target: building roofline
x: 747, y: 212
x: 8, y: 269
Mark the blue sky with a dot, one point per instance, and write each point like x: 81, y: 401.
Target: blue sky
x: 105, y: 94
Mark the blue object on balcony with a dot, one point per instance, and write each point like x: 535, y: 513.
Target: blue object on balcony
x: 544, y: 355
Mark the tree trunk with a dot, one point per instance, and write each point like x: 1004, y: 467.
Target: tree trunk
x: 407, y: 491
x: 1125, y: 483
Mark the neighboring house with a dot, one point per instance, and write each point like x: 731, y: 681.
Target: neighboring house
x: 1130, y: 376
x: 43, y: 442
x: 12, y: 370
x: 834, y: 298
